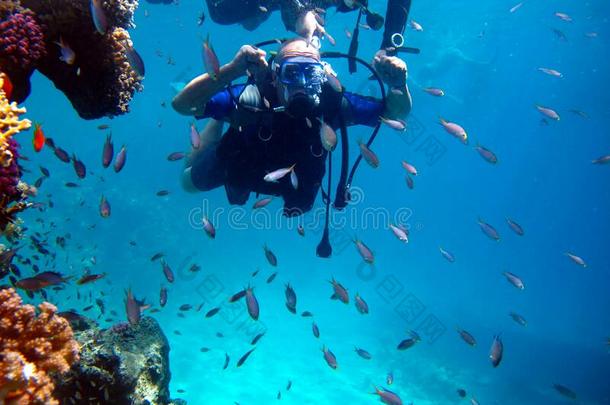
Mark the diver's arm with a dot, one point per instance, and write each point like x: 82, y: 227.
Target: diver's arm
x: 363, y: 110
x: 398, y: 103
x: 359, y: 110
x: 195, y: 95
x: 193, y: 98
x: 393, y: 72
x: 294, y: 13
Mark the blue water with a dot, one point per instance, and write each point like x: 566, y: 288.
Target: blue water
x: 486, y: 60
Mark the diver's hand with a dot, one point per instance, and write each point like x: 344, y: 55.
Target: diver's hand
x: 307, y: 26
x: 249, y: 59
x: 391, y: 69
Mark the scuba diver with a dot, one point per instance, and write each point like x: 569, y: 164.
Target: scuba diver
x: 275, y: 121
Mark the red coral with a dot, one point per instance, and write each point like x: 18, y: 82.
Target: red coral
x: 21, y: 41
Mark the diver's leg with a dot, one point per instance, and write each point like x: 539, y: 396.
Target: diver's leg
x: 209, y: 135
x: 228, y: 12
x: 298, y: 202
x: 206, y: 172
x: 237, y: 195
x: 186, y: 182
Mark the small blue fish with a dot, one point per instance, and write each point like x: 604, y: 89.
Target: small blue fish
x: 99, y: 16
x: 466, y: 336
x: 120, y: 159
x: 339, y: 292
x: 330, y: 358
x: 315, y: 330
x: 515, y: 227
x: 67, y: 54
x: 210, y: 60
x: 133, y: 308
x: 518, y: 318
x: 447, y: 255
x: 514, y: 280
x: 387, y: 396
x: 195, y: 139
x: 291, y: 299
x: 409, y: 342
x: 489, y: 230
x: 104, y: 207
x: 243, y: 358
x: 252, y: 303
x: 108, y: 151
x: 487, y: 154
x: 363, y: 353
x: 361, y: 305
x: 496, y: 351
x: 565, y: 391
x: 135, y: 60
x: 79, y: 167
x: 390, y: 378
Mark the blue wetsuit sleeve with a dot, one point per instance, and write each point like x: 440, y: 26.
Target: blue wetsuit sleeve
x: 221, y: 104
x: 361, y: 110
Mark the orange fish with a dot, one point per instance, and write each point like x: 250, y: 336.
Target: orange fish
x: 39, y: 138
x: 7, y: 86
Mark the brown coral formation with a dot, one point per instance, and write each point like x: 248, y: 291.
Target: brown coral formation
x: 101, y: 81
x: 31, y: 347
x: 120, y: 12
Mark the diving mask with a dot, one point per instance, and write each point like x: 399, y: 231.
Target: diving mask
x: 302, y: 72
x: 301, y: 79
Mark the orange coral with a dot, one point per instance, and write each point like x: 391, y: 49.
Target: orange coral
x: 30, y: 347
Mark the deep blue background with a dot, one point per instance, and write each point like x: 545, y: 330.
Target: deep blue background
x: 486, y: 60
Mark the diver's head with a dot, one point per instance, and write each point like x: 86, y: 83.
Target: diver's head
x: 299, y: 75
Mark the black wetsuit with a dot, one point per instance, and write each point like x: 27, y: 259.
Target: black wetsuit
x: 272, y: 141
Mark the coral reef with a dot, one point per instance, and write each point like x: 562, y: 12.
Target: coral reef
x: 12, y: 191
x: 120, y: 12
x: 128, y: 364
x: 21, y: 46
x: 9, y: 7
x: 10, y: 194
x: 31, y: 347
x: 10, y: 124
x: 100, y: 82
